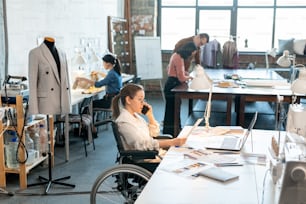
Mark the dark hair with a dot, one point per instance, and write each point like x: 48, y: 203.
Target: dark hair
x: 186, y: 50
x: 109, y: 58
x: 204, y: 35
x: 129, y: 90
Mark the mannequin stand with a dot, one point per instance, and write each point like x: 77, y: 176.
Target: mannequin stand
x: 2, y: 191
x: 49, y: 181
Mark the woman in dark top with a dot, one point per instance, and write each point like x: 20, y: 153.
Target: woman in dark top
x: 112, y: 81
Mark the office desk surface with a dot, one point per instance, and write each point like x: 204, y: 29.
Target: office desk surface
x: 166, y: 187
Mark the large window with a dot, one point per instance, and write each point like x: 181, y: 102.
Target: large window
x: 171, y: 33
x: 255, y: 25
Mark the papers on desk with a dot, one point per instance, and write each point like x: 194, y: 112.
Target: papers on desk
x: 185, y: 167
x: 266, y: 83
x: 200, y: 136
x: 218, y: 159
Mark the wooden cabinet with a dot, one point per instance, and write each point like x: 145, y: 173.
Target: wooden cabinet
x: 119, y: 42
x: 20, y: 127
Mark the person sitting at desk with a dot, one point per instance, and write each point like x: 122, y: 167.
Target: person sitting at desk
x: 137, y: 133
x: 112, y: 81
x: 176, y: 76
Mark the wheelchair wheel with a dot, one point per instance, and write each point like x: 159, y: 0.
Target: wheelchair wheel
x: 119, y: 184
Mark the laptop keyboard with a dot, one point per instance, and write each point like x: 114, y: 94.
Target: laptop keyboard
x: 229, y: 142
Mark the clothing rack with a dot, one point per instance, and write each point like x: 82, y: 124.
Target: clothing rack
x: 231, y: 37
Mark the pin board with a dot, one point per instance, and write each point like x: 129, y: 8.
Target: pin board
x: 148, y: 58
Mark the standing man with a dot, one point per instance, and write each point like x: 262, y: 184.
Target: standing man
x: 199, y: 40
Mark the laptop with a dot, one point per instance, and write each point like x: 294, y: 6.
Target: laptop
x: 230, y: 142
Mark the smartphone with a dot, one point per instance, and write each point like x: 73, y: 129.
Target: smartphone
x: 144, y: 109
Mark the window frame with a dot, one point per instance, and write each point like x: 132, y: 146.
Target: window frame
x: 234, y: 15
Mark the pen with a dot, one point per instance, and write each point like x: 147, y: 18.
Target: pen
x: 228, y: 164
x: 225, y: 152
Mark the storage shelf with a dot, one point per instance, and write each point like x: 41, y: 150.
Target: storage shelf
x: 20, y: 128
x: 28, y: 167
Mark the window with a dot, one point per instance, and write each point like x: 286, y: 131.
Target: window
x: 252, y: 35
x: 257, y: 25
x: 170, y: 31
x: 216, y: 22
x: 287, y: 21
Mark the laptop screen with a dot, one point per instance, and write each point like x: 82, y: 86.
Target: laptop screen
x: 250, y: 128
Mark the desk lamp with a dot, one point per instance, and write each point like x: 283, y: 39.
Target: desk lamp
x: 94, y: 60
x: 272, y: 53
x: 199, y: 82
x: 285, y: 61
x: 79, y: 60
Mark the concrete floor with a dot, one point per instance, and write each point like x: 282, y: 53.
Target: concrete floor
x: 84, y: 170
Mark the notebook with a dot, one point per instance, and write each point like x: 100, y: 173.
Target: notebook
x: 231, y: 142
x: 196, y: 124
x: 218, y: 174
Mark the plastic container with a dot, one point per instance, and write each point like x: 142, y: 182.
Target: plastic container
x: 43, y: 140
x: 29, y: 143
x: 8, y: 136
x: 32, y: 153
x: 34, y: 134
x: 11, y: 152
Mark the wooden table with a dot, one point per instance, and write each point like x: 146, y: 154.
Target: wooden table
x: 240, y: 94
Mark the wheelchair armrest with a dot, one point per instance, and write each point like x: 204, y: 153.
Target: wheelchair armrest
x: 103, y: 122
x: 137, y: 154
x: 164, y: 136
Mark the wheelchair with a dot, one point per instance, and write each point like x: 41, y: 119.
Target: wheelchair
x: 119, y: 184
x: 124, y: 182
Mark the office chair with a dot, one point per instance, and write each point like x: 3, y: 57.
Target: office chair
x: 83, y: 120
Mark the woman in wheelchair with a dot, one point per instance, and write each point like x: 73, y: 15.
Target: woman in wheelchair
x: 129, y: 106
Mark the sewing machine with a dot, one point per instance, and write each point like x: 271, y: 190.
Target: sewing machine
x: 12, y: 86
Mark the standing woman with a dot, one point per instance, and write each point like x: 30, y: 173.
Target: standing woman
x: 176, y: 76
x: 112, y: 81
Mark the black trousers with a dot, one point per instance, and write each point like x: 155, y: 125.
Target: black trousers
x: 169, y: 109
x: 105, y: 102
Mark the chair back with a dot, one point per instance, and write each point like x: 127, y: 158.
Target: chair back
x: 117, y: 137
x: 85, y: 106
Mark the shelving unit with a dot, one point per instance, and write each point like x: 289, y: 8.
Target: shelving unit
x: 23, y: 169
x: 119, y: 42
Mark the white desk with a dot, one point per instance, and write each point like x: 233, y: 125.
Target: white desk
x: 77, y: 97
x: 169, y: 188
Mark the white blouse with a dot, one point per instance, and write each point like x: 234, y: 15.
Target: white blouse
x: 136, y: 133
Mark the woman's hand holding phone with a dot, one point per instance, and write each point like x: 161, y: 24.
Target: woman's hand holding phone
x: 145, y: 109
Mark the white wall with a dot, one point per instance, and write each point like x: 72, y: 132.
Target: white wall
x: 66, y: 20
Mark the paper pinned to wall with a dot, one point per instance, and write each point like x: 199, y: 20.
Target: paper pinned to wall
x: 148, y: 58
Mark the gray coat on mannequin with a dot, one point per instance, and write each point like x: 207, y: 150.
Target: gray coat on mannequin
x: 49, y: 90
